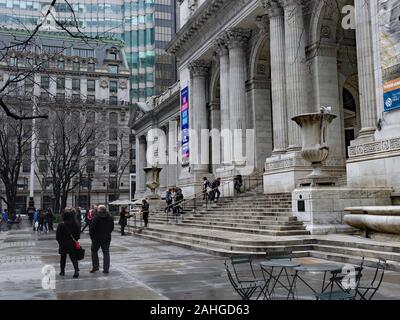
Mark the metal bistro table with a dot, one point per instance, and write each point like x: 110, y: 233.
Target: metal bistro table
x: 316, y: 268
x: 268, y: 268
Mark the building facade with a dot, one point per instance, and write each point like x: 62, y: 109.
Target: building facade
x: 88, y: 79
x: 254, y: 65
x: 146, y: 26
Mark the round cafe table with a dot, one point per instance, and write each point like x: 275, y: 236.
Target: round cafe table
x: 282, y: 265
x: 316, y: 268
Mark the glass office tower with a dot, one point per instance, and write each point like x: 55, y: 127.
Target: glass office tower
x: 146, y: 26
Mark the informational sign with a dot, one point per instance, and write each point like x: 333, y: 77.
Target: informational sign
x: 391, y: 94
x: 185, y: 125
x: 389, y: 32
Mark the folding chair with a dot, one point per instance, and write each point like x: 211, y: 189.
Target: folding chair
x: 343, y: 293
x: 245, y: 288
x: 286, y: 254
x: 367, y: 290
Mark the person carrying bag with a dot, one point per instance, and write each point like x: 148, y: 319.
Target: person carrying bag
x: 67, y: 235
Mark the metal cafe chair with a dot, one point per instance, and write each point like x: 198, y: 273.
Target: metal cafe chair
x: 244, y: 272
x: 244, y: 289
x: 367, y: 290
x: 286, y: 254
x: 343, y: 293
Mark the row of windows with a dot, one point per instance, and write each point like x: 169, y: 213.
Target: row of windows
x: 76, y: 84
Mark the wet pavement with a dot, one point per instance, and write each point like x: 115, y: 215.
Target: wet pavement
x: 140, y: 269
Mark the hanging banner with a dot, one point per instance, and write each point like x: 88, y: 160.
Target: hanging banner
x: 389, y: 31
x: 185, y: 125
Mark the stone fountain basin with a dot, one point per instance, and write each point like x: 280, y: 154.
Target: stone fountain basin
x: 384, y: 219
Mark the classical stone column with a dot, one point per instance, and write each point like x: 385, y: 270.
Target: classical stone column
x: 237, y: 39
x: 365, y: 62
x: 296, y: 76
x: 199, y: 153
x: 215, y: 115
x: 223, y: 52
x: 141, y: 163
x: 278, y: 75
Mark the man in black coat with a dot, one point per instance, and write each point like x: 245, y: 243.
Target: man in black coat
x: 100, y: 232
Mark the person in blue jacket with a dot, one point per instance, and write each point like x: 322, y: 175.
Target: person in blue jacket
x: 4, y: 218
x: 35, y: 219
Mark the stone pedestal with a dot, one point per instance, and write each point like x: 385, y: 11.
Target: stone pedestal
x: 322, y: 208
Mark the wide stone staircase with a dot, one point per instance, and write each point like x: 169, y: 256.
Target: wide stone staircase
x: 254, y: 223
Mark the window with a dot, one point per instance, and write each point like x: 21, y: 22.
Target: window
x: 91, y: 166
x: 112, y: 56
x: 113, y: 134
x: 44, y: 95
x: 60, y: 96
x: 91, y: 85
x: 61, y: 65
x: 90, y: 99
x: 76, y: 84
x: 113, y: 168
x: 42, y: 149
x: 76, y: 97
x: 113, y: 100
x: 13, y: 61
x: 45, y: 64
x: 76, y: 66
x: 91, y: 117
x: 91, y: 150
x: 112, y: 68
x: 60, y: 83
x: 113, y: 86
x: 91, y: 67
x: 113, y: 119
x: 113, y: 150
x: 42, y: 166
x: 83, y: 53
x: 112, y: 183
x: 45, y: 82
x: 26, y: 165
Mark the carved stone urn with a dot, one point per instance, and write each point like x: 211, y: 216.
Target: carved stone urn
x: 314, y: 128
x: 153, y: 180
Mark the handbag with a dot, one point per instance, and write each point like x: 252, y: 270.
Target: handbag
x: 79, y: 251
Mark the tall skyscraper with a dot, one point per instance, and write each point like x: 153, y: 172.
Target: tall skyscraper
x: 146, y: 26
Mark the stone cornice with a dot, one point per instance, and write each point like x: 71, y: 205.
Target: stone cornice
x: 374, y: 149
x: 322, y: 49
x: 200, y: 17
x: 199, y: 68
x: 237, y: 37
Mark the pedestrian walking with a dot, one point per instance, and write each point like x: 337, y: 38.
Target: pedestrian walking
x: 178, y: 200
x: 35, y: 220
x: 41, y: 220
x: 89, y: 217
x: 78, y: 217
x: 4, y: 219
x: 123, y: 220
x: 237, y: 183
x: 206, y: 188
x: 215, y: 190
x: 145, y: 212
x: 49, y: 219
x: 67, y: 234
x: 100, y: 231
x: 168, y: 200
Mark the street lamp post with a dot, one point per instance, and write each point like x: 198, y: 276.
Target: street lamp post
x: 31, y: 204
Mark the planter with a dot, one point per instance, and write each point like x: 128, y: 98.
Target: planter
x: 153, y: 180
x: 314, y: 127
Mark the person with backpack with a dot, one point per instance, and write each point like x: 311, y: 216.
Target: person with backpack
x: 145, y: 212
x: 237, y: 183
x: 67, y: 234
x: 178, y: 200
x: 100, y: 231
x: 206, y: 188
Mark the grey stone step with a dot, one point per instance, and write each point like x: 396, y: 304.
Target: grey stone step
x: 267, y: 221
x: 252, y: 216
x: 224, y: 236
x: 368, y: 253
x: 268, y: 232
x: 246, y: 225
x: 379, y: 247
x: 355, y: 260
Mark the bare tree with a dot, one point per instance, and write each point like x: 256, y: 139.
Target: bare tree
x: 63, y: 153
x: 15, y: 142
